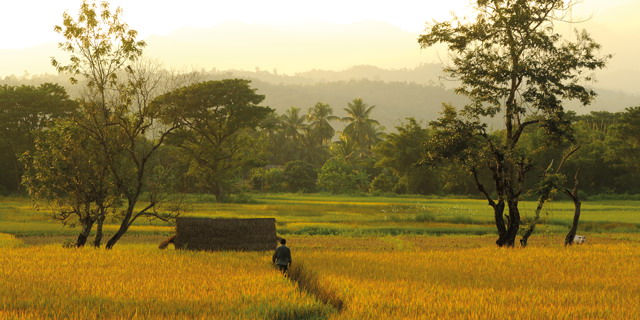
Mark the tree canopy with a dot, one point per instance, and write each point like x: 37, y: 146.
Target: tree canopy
x: 512, y: 63
x: 24, y: 110
x: 215, y: 117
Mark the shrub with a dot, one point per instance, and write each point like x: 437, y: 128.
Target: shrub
x: 384, y: 182
x: 339, y: 177
x: 267, y: 179
x: 300, y: 176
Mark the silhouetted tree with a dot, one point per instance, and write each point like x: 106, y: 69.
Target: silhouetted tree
x: 216, y: 118
x: 361, y: 129
x: 512, y: 64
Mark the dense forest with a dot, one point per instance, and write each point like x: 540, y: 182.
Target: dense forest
x: 301, y: 149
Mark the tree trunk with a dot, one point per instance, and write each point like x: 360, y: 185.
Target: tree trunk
x: 498, y: 208
x: 568, y: 240
x: 513, y: 226
x: 545, y: 193
x: 97, y: 241
x: 16, y: 169
x: 498, y: 214
x: 121, y: 231
x: 532, y: 226
x: 124, y: 226
x: 87, y: 224
x: 218, y: 192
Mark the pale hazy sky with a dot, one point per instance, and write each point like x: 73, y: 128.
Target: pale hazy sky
x: 26, y: 23
x: 295, y: 35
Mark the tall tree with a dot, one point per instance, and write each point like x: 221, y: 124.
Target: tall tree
x: 66, y: 172
x: 319, y: 117
x: 293, y: 125
x: 25, y: 110
x: 624, y: 148
x: 100, y: 45
x: 599, y: 172
x: 402, y: 152
x: 403, y: 149
x: 361, y: 128
x: 102, y: 49
x: 512, y: 64
x: 216, y: 118
x: 312, y: 149
x: 344, y: 149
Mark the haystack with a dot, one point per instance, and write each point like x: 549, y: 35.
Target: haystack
x: 225, y: 234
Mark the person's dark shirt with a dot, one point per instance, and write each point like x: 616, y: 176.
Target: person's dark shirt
x: 282, y: 256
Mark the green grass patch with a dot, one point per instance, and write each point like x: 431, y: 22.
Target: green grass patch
x: 319, y: 214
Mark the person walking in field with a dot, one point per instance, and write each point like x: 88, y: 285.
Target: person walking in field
x: 282, y: 256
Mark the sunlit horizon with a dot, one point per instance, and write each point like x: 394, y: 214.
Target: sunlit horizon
x: 31, y: 27
x: 294, y: 36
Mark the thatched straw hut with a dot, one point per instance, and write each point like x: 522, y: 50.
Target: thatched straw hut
x: 225, y: 234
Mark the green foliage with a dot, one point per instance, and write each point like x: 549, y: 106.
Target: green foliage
x: 339, y: 177
x: 116, y: 111
x: 25, y: 110
x: 99, y: 45
x: 384, y: 182
x: 455, y: 138
x: 319, y: 117
x: 403, y: 149
x: 217, y: 119
x: 293, y: 125
x: 300, y: 176
x: 68, y: 172
x: 511, y: 64
x: 624, y: 144
x: 361, y: 129
x: 294, y: 136
x: 267, y: 179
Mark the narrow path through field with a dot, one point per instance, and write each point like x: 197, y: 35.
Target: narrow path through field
x: 307, y: 280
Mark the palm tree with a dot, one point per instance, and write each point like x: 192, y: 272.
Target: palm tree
x: 319, y: 117
x: 312, y: 150
x: 293, y: 125
x: 344, y: 149
x: 361, y: 129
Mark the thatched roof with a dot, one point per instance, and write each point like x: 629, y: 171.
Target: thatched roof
x: 225, y: 234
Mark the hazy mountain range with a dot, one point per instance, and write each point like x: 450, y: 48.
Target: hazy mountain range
x: 325, y: 46
x: 397, y: 93
x: 332, y: 63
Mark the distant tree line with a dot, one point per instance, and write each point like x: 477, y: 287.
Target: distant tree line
x: 301, y: 151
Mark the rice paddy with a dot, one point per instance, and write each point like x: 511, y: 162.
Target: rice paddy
x: 382, y: 258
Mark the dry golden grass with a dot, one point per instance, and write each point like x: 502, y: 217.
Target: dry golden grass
x: 409, y: 277
x: 9, y: 241
x: 136, y: 283
x: 580, y: 282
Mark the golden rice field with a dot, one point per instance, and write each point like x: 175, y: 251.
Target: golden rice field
x: 392, y: 277
x: 50, y: 282
x: 589, y: 282
x: 378, y: 257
